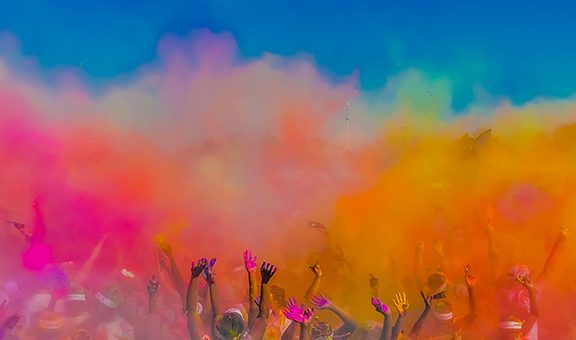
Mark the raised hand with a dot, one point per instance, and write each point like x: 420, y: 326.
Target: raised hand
x: 199, y: 267
x: 267, y: 271
x: 316, y: 270
x: 427, y: 299
x: 152, y: 286
x: 380, y: 306
x: 321, y: 302
x: 401, y: 303
x: 563, y: 234
x: 468, y: 277
x: 249, y: 261
x: 297, y: 312
x: 526, y: 281
x: 209, y: 273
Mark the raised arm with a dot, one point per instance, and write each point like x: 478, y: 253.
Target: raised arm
x: 152, y: 288
x: 470, y: 284
x: 300, y: 315
x: 385, y: 311
x: 401, y: 304
x: 322, y: 303
x: 210, y: 277
x: 492, y: 249
x: 560, y: 239
x: 417, y: 328
x: 534, y: 311
x: 258, y: 329
x: 195, y: 326
x: 86, y: 268
x: 250, y: 265
x: 174, y: 274
x: 315, y: 285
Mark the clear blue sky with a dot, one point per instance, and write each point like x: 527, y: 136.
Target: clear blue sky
x: 521, y: 49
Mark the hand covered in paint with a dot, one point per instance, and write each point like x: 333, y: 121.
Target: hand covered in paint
x: 401, y: 304
x: 250, y: 261
x: 267, y: 271
x: 198, y: 268
x: 297, y: 312
x: 526, y: 281
x: 152, y: 286
x: 468, y: 277
x: 209, y: 273
x: 316, y: 270
x: 380, y: 307
x: 563, y: 235
x: 321, y: 302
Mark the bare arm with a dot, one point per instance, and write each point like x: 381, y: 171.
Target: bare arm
x: 534, y: 311
x: 152, y: 288
x: 195, y: 326
x: 417, y: 328
x: 267, y: 271
x: 401, y: 304
x: 322, y: 303
x: 315, y: 285
x: 492, y: 250
x: 385, y: 311
x: 250, y: 265
x: 290, y: 332
x: 473, y: 309
x: 175, y: 275
x: 89, y: 263
x: 562, y: 236
x: 210, y: 276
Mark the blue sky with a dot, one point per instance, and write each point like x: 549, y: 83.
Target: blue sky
x: 518, y: 49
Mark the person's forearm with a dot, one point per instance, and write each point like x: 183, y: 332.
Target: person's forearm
x: 313, y: 289
x: 152, y: 303
x: 533, y: 302
x: 472, y: 307
x: 397, y: 328
x: 417, y: 328
x: 252, y: 294
x: 551, y: 258
x: 89, y: 264
x: 290, y: 332
x: 305, y: 332
x: 385, y: 329
x: 214, y: 299
x: 265, y: 302
x: 346, y: 318
x: 177, y: 278
x: 192, y: 297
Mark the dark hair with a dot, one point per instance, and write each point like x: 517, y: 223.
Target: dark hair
x: 230, y: 325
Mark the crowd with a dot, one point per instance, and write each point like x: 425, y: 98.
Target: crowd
x: 74, y: 303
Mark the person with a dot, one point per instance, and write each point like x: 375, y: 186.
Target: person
x: 349, y: 325
x: 513, y: 298
x: 401, y: 304
x: 444, y: 324
x: 514, y: 327
x: 229, y: 324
